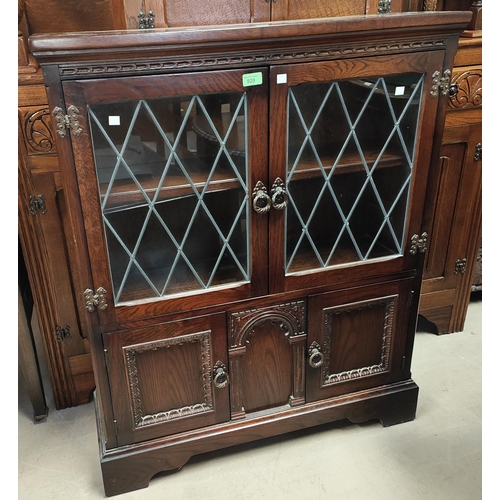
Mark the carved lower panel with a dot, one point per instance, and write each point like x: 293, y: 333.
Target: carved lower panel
x: 131, y: 353
x: 328, y: 379
x: 243, y: 327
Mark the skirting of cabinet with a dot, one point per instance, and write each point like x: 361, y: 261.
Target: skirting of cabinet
x: 130, y: 468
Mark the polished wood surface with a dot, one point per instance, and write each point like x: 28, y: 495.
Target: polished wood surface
x: 161, y: 365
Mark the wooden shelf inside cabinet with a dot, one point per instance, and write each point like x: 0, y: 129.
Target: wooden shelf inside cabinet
x: 126, y: 194
x: 351, y: 162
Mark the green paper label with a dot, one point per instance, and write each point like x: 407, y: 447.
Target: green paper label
x: 251, y: 79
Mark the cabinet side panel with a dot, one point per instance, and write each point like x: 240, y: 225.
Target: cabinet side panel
x: 451, y: 161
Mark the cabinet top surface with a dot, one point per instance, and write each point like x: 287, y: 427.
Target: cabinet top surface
x: 53, y: 48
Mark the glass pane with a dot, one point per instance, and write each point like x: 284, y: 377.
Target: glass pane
x: 349, y: 168
x: 172, y: 176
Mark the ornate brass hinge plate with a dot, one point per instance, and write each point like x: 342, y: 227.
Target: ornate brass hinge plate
x: 418, y: 243
x: 69, y: 121
x: 63, y: 333
x: 384, y: 6
x: 478, y: 155
x: 95, y: 300
x: 37, y: 204
x: 440, y: 83
x: 146, y: 22
x: 460, y: 266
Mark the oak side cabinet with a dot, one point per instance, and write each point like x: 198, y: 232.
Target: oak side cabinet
x: 46, y: 242
x: 246, y: 204
x: 453, y: 263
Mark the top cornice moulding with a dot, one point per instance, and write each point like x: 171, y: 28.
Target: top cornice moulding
x: 59, y: 47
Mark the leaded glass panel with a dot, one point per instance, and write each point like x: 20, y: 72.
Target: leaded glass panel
x: 350, y: 154
x: 172, y: 176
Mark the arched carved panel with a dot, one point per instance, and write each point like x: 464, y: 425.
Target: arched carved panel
x: 269, y: 343
x: 291, y: 317
x: 466, y: 90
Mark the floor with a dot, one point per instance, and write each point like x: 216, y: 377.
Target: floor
x: 438, y: 456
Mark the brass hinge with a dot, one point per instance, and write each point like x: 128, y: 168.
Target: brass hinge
x: 418, y: 243
x: 478, y: 155
x: 384, y: 6
x: 69, y: 121
x: 460, y: 266
x: 37, y: 204
x: 106, y: 357
x: 403, y: 363
x: 95, y: 300
x: 146, y: 23
x: 440, y: 82
x: 63, y: 333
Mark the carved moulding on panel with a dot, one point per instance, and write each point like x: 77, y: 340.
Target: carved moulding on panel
x: 468, y: 90
x: 175, y: 63
x: 141, y: 420
x: 328, y: 379
x: 290, y: 316
x: 37, y: 130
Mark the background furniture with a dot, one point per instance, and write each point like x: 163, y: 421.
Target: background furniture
x: 453, y: 262
x: 42, y: 223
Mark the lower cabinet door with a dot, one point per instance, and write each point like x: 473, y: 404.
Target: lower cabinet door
x: 356, y: 338
x: 168, y: 378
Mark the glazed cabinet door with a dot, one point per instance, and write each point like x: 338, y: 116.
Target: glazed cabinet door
x: 165, y: 165
x: 168, y: 378
x: 347, y: 173
x: 357, y: 339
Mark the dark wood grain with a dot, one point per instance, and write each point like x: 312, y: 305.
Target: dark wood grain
x: 152, y: 356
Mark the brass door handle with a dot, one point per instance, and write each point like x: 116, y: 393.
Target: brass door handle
x: 279, y: 196
x: 316, y: 357
x: 261, y: 201
x: 221, y: 378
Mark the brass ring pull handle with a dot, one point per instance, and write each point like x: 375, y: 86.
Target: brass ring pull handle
x: 316, y: 357
x: 261, y: 201
x: 279, y: 196
x: 221, y: 378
